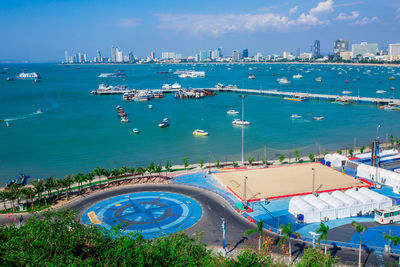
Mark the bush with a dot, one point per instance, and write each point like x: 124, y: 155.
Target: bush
x: 316, y: 258
x: 249, y: 258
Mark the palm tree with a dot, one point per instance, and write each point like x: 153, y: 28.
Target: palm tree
x: 140, y: 170
x: 287, y: 234
x: 79, y: 179
x: 168, y: 166
x: 151, y: 168
x: 251, y: 159
x: 158, y: 169
x: 258, y: 231
x: 30, y: 194
x: 89, y: 177
x: 106, y: 173
x: 3, y: 197
x: 48, y: 186
x: 67, y: 181
x: 297, y: 154
x: 360, y: 230
x: 98, y: 173
x: 323, y: 234
x: 12, y: 196
x: 39, y: 188
x: 394, y: 240
x: 185, y: 162
x: 123, y: 170
x: 132, y: 170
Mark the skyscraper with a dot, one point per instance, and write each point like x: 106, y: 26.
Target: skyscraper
x: 66, y: 57
x: 364, y: 49
x: 118, y: 55
x: 340, y: 46
x: 315, y: 51
x: 99, y: 59
x: 245, y: 53
x: 113, y: 53
x: 153, y: 55
x: 131, y: 58
x: 235, y: 55
x: 202, y: 55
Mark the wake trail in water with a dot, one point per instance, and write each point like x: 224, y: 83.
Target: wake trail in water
x: 53, y: 106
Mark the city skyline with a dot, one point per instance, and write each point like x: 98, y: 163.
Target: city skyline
x: 41, y: 31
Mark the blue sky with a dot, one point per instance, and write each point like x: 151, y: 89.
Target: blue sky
x: 42, y: 30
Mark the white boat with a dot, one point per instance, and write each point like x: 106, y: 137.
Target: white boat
x: 283, y: 80
x: 192, y: 74
x: 200, y: 132
x: 25, y: 75
x: 165, y: 120
x: 135, y: 130
x: 318, y: 118
x: 346, y: 92
x: 124, y: 119
x: 150, y: 106
x: 219, y: 86
x: 112, y: 75
x: 176, y: 86
x: 105, y: 89
x: 252, y: 77
x: 295, y: 116
x: 240, y: 122
x: 297, y: 76
x: 232, y: 112
x: 318, y: 79
x: 380, y: 91
x: 163, y: 124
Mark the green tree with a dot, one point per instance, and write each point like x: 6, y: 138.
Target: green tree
x: 339, y: 151
x: 185, y: 162
x: 4, y: 197
x: 217, y: 163
x: 39, y: 188
x: 90, y: 178
x: 132, y: 170
x: 251, y: 159
x: 97, y: 171
x: 140, y: 170
x: 49, y: 185
x: 114, y: 172
x: 201, y: 162
x: 281, y: 158
x: 394, y: 240
x: 351, y: 152
x: 392, y: 139
x: 168, y: 166
x: 258, y: 231
x: 311, y: 156
x: 235, y: 164
x: 297, y: 154
x: 67, y: 182
x: 362, y: 149
x: 250, y: 258
x: 29, y: 194
x: 78, y: 178
x: 158, y: 170
x: 360, y: 230
x: 123, y: 170
x: 314, y: 257
x: 151, y: 168
x: 287, y: 233
x: 326, y: 151
x: 323, y: 234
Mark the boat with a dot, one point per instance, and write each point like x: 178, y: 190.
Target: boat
x: 112, y: 75
x: 391, y: 106
x: 252, y: 77
x: 150, y: 106
x: 39, y: 111
x: 346, y: 92
x: 25, y: 75
x: 21, y: 179
x: 392, y: 78
x: 283, y: 80
x: 295, y: 116
x: 135, y: 130
x: 36, y: 81
x: 191, y: 74
x: 342, y: 101
x: 232, y: 112
x: 346, y: 81
x: 163, y: 124
x: 8, y: 79
x: 200, y: 132
x: 295, y: 98
x: 118, y: 107
x: 7, y: 124
x: 240, y: 122
x: 297, y: 76
x: 380, y: 91
x: 318, y: 79
x: 105, y: 89
x: 165, y: 120
x: 318, y: 118
x: 124, y: 119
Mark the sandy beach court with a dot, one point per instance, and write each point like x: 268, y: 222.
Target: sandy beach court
x: 287, y: 180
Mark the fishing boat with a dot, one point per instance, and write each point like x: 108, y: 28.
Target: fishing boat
x: 318, y: 118
x: 380, y: 91
x: 135, y: 130
x: 240, y: 122
x: 163, y: 124
x: 21, y: 179
x: 295, y: 116
x: 295, y: 98
x: 297, y: 76
x: 232, y: 112
x: 200, y: 132
x: 252, y: 77
x: 318, y: 79
x: 283, y: 80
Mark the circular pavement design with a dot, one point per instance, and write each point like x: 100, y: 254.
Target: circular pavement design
x: 151, y: 213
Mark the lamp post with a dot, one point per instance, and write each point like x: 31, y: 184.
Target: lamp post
x: 243, y: 97
x: 377, y: 129
x: 314, y: 234
x: 313, y: 180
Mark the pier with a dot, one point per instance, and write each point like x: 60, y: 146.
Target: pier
x: 324, y: 97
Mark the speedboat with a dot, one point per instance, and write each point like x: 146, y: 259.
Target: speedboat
x: 252, y: 77
x: 283, y: 80
x: 297, y: 76
x: 163, y: 124
x: 118, y: 107
x: 150, y: 106
x: 200, y: 132
x: 8, y: 79
x: 232, y: 112
x: 318, y: 79
x: 240, y: 122
x: 392, y: 78
x: 380, y: 91
x: 318, y: 118
x: 295, y: 116
x: 135, y: 130
x: 39, y: 111
x: 165, y: 120
x: 112, y: 75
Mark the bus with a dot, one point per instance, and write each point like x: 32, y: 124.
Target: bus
x: 388, y: 215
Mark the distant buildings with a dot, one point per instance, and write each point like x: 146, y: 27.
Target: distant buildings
x: 235, y: 55
x: 98, y: 58
x: 346, y: 55
x: 394, y: 51
x: 305, y: 56
x: 245, y: 53
x: 316, y: 49
x: 340, y: 46
x: 364, y: 50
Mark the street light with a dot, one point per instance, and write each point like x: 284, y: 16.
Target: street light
x: 243, y: 97
x: 313, y: 180
x: 314, y: 234
x: 377, y: 128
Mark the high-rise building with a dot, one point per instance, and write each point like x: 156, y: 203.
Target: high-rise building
x: 245, y: 53
x: 113, y: 54
x: 131, y: 58
x: 153, y: 55
x: 340, y: 46
x: 394, y: 51
x: 220, y: 52
x: 99, y: 59
x: 316, y: 49
x: 202, y: 55
x: 364, y: 49
x: 259, y: 56
x: 235, y: 55
x: 80, y: 58
x: 118, y: 55
x: 66, y: 56
x: 286, y: 54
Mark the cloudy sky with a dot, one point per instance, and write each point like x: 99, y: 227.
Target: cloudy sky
x: 42, y: 30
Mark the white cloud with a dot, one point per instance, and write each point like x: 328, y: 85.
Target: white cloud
x: 349, y: 4
x: 398, y: 13
x: 322, y: 8
x: 366, y: 20
x: 293, y: 10
x: 129, y: 22
x: 343, y: 16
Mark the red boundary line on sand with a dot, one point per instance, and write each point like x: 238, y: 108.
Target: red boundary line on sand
x: 238, y: 168
x: 233, y: 192
x: 279, y: 166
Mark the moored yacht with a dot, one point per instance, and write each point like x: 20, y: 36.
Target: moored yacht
x: 232, y: 112
x: 240, y: 122
x: 25, y: 75
x: 200, y: 132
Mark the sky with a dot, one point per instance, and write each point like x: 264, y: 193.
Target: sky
x: 40, y: 31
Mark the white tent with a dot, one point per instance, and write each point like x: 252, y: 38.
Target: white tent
x: 382, y: 201
x: 298, y: 206
x: 335, y: 159
x: 369, y: 204
x: 355, y: 205
x: 327, y: 211
x: 381, y: 175
x: 342, y: 209
x: 384, y: 153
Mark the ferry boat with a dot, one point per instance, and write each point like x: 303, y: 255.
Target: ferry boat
x: 283, y: 80
x: 105, y: 89
x: 295, y: 98
x: 173, y: 86
x: 318, y: 118
x: 135, y: 130
x: 24, y: 75
x: 252, y: 77
x: 298, y: 76
x: 112, y: 75
x: 318, y: 79
x: 295, y: 116
x: 232, y: 112
x: 200, y: 132
x: 192, y: 74
x: 240, y: 122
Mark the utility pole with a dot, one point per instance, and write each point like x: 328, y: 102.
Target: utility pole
x: 244, y: 192
x: 313, y: 181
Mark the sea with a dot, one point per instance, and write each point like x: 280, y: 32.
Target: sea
x: 77, y: 131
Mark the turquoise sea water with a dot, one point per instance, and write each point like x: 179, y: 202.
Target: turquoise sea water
x: 77, y: 131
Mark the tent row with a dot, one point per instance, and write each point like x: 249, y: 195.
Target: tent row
x: 336, y: 160
x: 337, y: 205
x: 380, y: 175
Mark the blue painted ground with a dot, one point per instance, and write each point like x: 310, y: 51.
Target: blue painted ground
x: 374, y: 236
x: 153, y: 214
